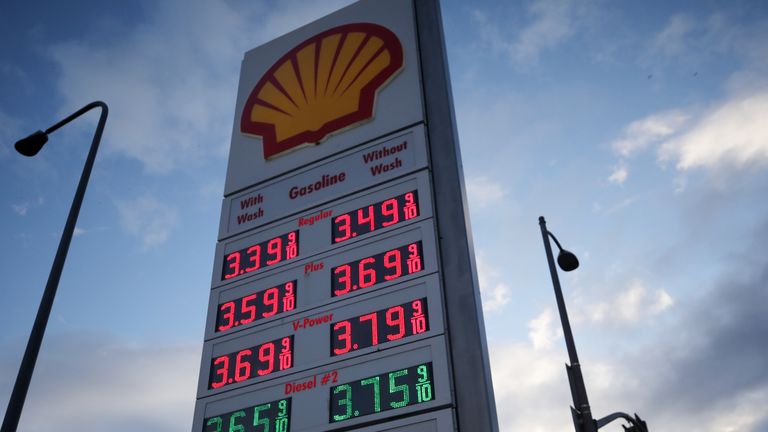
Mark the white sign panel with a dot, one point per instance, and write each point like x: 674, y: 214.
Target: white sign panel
x: 355, y: 72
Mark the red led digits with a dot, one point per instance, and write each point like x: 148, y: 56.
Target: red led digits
x: 384, y: 325
x: 289, y: 300
x: 366, y: 218
x: 286, y: 354
x: 256, y: 306
x: 233, y: 264
x: 264, y: 359
x: 371, y: 270
x: 264, y: 254
x: 341, y: 338
x: 419, y: 317
x: 392, y: 261
x: 396, y: 319
x: 372, y: 217
x: 414, y: 258
x: 221, y: 364
x: 411, y: 208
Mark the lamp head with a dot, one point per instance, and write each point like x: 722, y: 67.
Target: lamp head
x: 567, y: 260
x: 32, y: 144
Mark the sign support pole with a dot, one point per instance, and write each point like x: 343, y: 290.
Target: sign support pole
x: 472, y: 372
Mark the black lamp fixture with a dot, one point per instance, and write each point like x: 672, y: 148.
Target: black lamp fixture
x: 29, y: 147
x: 565, y: 259
x: 32, y: 144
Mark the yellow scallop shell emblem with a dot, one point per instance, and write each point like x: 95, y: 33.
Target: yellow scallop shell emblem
x: 325, y: 84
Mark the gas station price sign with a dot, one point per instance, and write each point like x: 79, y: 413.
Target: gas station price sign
x: 260, y: 360
x: 387, y: 391
x: 271, y: 416
x: 372, y: 217
x: 384, y: 325
x: 413, y: 390
x: 384, y: 266
x: 328, y: 257
x: 256, y: 306
x: 264, y: 254
x: 304, y: 284
x: 352, y: 327
x: 357, y: 217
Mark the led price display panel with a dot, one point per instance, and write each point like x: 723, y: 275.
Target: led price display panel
x: 264, y: 254
x: 387, y: 391
x: 256, y: 306
x: 369, y: 271
x: 375, y: 216
x: 267, y: 417
x: 260, y: 360
x: 310, y: 389
x: 384, y: 325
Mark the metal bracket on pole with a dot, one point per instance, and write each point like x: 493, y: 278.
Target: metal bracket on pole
x: 638, y: 425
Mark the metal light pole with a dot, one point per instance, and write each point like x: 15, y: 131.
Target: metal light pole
x: 580, y: 411
x: 29, y: 146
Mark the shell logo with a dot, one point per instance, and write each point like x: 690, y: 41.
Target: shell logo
x: 325, y: 84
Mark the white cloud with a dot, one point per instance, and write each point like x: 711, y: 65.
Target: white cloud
x: 530, y: 387
x: 483, y: 192
x: 745, y: 413
x: 648, y: 131
x: 116, y: 388
x: 149, y: 219
x: 734, y: 134
x: 171, y: 81
x: 552, y: 23
x: 79, y: 231
x: 631, y: 305
x: 494, y: 292
x: 666, y: 380
x: 170, y: 86
x: 542, y: 330
x: 532, y: 391
x: 20, y: 209
x: 23, y: 208
x: 619, y: 174
x: 673, y: 39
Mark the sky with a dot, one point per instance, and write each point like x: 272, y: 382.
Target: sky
x: 638, y: 129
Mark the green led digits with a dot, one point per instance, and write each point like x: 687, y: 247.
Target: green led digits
x: 233, y: 422
x: 257, y: 419
x: 345, y: 401
x: 281, y: 422
x: 393, y: 388
x: 217, y: 421
x: 376, y: 392
x: 267, y: 417
x: 424, y: 384
x: 366, y: 396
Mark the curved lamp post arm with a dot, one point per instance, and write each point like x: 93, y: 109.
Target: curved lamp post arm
x: 19, y: 393
x: 638, y: 425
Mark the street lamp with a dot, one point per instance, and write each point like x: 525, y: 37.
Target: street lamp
x: 29, y: 146
x: 580, y: 411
